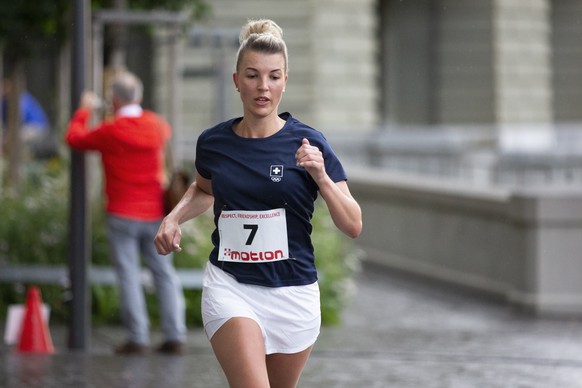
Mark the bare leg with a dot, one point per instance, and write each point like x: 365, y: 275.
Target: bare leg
x: 240, y: 350
x: 285, y: 369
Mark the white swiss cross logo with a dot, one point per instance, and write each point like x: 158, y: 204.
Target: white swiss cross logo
x: 276, y: 172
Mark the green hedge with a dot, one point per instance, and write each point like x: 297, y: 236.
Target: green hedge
x: 34, y: 230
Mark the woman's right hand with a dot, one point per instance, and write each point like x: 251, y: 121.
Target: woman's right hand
x: 168, y: 238
x: 197, y: 199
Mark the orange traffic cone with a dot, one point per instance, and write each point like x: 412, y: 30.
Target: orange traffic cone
x: 34, y: 335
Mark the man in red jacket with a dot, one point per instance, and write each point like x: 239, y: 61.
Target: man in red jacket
x: 132, y: 152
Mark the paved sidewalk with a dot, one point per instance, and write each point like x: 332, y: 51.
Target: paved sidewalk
x: 396, y: 333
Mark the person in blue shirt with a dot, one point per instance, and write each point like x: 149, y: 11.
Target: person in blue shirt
x: 261, y: 173
x: 35, y: 127
x: 35, y: 122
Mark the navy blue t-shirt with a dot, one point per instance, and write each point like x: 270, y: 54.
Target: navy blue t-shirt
x: 261, y: 174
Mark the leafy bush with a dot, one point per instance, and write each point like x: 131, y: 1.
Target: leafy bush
x: 34, y: 220
x: 34, y: 230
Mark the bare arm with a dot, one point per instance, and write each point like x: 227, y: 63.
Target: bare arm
x: 345, y: 211
x: 197, y: 200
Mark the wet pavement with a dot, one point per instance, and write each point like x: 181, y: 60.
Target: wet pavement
x: 395, y: 333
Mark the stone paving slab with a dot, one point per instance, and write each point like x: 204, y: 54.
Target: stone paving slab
x: 396, y: 333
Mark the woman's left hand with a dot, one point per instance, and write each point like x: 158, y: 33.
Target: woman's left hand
x: 311, y: 158
x: 344, y: 209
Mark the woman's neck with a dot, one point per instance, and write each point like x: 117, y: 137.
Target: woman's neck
x: 259, y: 128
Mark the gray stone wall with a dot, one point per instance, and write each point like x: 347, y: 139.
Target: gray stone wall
x: 522, y: 246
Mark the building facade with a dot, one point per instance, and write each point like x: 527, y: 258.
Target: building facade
x: 333, y: 67
x: 507, y: 73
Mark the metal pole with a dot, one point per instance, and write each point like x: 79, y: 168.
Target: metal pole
x: 222, y: 75
x: 78, y: 221
x: 97, y: 58
x: 174, y: 96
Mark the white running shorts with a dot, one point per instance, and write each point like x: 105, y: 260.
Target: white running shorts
x: 289, y: 317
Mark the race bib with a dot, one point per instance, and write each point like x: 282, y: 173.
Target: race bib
x: 253, y: 236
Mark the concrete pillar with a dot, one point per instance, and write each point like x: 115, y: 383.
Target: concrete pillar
x: 522, y: 61
x: 344, y: 62
x: 523, y: 73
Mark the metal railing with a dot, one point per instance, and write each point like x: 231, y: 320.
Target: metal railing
x: 59, y: 275
x: 473, y: 155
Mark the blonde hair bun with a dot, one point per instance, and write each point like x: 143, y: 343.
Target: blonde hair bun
x: 263, y: 36
x: 260, y: 27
